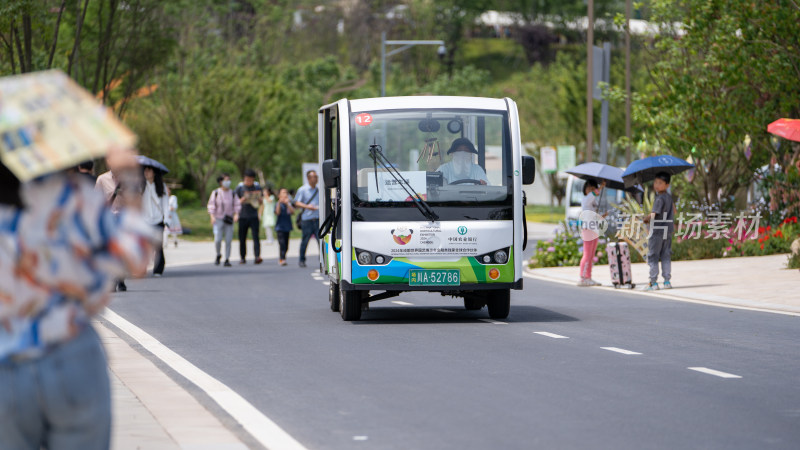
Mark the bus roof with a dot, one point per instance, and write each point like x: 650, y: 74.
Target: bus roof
x: 428, y: 102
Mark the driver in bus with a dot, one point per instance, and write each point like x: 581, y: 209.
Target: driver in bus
x: 461, y: 166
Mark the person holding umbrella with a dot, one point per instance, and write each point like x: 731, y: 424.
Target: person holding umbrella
x: 590, y: 203
x: 661, y: 218
x: 155, y: 204
x: 598, y: 176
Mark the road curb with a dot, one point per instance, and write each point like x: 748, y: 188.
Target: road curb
x: 688, y: 296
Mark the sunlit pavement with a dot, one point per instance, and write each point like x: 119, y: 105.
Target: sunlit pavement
x: 567, y: 369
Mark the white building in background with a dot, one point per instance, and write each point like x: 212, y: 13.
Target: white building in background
x: 499, y: 19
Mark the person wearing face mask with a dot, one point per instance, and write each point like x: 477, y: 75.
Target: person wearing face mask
x: 223, y: 207
x: 590, y: 202
x: 461, y: 166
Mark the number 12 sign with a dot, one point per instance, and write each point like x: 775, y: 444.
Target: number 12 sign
x: 364, y: 119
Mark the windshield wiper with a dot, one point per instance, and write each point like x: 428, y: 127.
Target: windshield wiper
x: 376, y: 153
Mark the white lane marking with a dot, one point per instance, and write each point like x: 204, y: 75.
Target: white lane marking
x: 326, y: 283
x: 264, y: 430
x: 552, y: 335
x: 714, y: 372
x: 360, y: 438
x: 398, y: 302
x: 620, y: 350
x: 445, y: 311
x: 494, y: 322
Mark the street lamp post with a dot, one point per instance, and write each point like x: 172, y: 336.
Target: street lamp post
x: 405, y: 46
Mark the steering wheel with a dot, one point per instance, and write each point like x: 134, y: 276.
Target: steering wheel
x: 466, y: 181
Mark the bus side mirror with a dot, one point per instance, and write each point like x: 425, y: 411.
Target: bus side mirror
x: 330, y: 172
x: 528, y: 169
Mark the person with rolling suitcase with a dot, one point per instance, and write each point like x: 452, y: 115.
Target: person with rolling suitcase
x: 619, y: 261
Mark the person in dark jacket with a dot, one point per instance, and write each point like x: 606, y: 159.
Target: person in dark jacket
x: 250, y: 198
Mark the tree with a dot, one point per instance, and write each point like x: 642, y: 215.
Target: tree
x: 109, y: 46
x: 725, y: 71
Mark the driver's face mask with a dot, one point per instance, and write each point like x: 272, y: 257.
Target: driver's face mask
x: 462, y: 162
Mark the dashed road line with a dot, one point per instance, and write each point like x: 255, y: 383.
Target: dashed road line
x: 398, y: 302
x: 552, y: 335
x: 716, y: 373
x: 620, y: 350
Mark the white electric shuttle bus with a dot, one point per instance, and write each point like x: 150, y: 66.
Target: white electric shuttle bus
x: 422, y: 194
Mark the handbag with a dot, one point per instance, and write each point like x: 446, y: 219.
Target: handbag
x: 227, y: 219
x: 299, y: 221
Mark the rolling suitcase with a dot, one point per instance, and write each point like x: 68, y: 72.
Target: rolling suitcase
x: 619, y: 261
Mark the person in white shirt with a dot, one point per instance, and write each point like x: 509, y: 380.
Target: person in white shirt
x: 462, y: 166
x: 155, y: 210
x: 590, y: 203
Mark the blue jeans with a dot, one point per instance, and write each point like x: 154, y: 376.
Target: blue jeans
x: 310, y: 228
x: 61, y: 400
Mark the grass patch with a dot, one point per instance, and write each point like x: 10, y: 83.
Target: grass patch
x: 503, y: 57
x: 544, y: 214
x: 196, y: 219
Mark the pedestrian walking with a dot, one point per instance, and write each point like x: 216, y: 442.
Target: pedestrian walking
x: 175, y: 229
x: 114, y: 192
x: 61, y: 251
x: 155, y: 210
x: 659, y: 243
x: 223, y: 207
x: 283, y: 223
x: 590, y: 204
x: 307, y: 200
x: 250, y: 198
x: 268, y: 214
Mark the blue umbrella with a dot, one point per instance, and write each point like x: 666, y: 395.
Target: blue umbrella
x: 144, y: 161
x: 646, y: 169
x: 601, y: 172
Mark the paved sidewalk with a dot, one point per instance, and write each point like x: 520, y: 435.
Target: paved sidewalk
x: 150, y: 410
x: 203, y: 252
x: 759, y: 282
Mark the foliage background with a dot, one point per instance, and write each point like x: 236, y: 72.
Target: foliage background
x: 222, y: 85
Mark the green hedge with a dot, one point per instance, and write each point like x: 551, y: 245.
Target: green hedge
x: 566, y: 248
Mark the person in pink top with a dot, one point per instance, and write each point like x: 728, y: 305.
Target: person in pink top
x: 223, y: 207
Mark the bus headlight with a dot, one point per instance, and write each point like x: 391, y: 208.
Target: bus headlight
x: 364, y: 258
x: 501, y: 257
x: 370, y: 258
x: 487, y: 259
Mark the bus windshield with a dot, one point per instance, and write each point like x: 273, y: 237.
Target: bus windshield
x: 443, y: 156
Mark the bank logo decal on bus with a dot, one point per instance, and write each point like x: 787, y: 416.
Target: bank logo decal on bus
x: 462, y: 230
x: 402, y: 235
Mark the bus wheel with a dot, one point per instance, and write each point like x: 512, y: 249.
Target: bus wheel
x: 350, y: 304
x: 499, y: 303
x: 473, y: 302
x: 333, y: 296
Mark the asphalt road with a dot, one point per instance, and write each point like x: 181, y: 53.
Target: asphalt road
x: 430, y: 375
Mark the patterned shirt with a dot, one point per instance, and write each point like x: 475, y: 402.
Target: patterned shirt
x: 59, y: 259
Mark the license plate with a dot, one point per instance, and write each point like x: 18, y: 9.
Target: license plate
x: 434, y: 277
